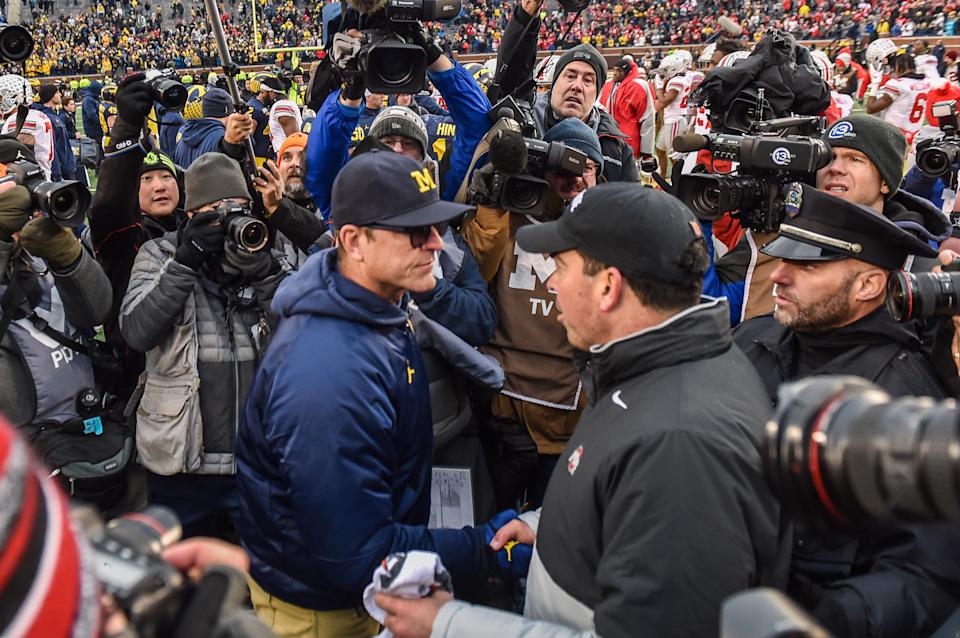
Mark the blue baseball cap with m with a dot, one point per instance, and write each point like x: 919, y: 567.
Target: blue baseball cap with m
x: 384, y: 188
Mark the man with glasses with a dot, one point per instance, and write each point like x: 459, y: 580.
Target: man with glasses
x: 335, y: 476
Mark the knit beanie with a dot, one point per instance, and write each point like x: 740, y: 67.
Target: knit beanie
x: 217, y: 103
x: 49, y: 585
x: 212, y: 177
x: 297, y: 139
x: 575, y: 134
x: 880, y: 141
x: 583, y: 53
x: 399, y: 120
x: 46, y: 92
x: 155, y: 160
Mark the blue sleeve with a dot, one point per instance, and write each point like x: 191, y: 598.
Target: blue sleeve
x: 68, y: 163
x: 430, y: 105
x: 330, y: 470
x: 922, y: 185
x: 714, y: 287
x: 463, y: 306
x: 468, y: 106
x: 327, y: 149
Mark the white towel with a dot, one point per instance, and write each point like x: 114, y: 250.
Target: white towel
x: 405, y: 575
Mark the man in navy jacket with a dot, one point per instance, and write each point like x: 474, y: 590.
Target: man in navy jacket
x: 334, y: 472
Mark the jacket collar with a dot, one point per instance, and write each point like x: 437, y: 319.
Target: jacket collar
x: 877, y: 328
x: 698, y: 332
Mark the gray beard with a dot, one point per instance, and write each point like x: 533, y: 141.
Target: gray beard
x: 296, y: 191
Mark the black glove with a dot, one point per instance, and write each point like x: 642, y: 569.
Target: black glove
x: 353, y: 87
x: 134, y: 101
x: 242, y: 266
x: 200, y: 237
x: 419, y: 37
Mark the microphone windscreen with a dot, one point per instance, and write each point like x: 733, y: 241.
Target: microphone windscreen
x: 508, y: 152
x: 367, y: 6
x: 730, y: 26
x: 690, y: 142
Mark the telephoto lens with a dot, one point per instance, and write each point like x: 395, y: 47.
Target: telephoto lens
x: 841, y: 453
x: 921, y: 295
x: 16, y: 43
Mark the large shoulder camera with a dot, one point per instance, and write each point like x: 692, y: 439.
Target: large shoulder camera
x: 64, y: 202
x: 937, y: 156
x: 388, y: 60
x: 777, y: 153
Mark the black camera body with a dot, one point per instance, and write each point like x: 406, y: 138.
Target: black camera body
x: 769, y: 159
x: 524, y: 193
x: 247, y: 232
x: 64, y: 202
x: 938, y: 156
x: 167, y: 90
x: 422, y: 10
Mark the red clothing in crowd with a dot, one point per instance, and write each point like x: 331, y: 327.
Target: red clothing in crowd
x: 633, y: 104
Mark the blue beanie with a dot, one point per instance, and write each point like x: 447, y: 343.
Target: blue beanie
x: 575, y: 134
x: 217, y: 103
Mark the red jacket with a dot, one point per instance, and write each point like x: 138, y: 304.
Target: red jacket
x: 633, y: 110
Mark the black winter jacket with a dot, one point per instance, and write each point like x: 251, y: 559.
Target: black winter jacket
x: 658, y: 509
x: 886, y: 584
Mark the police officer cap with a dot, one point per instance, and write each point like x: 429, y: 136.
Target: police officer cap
x: 820, y: 227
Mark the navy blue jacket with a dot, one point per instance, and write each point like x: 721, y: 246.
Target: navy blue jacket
x: 70, y: 123
x: 91, y: 111
x: 169, y: 128
x: 64, y: 165
x: 195, y: 138
x: 334, y: 473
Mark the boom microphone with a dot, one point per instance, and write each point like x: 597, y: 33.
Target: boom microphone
x: 367, y: 6
x: 690, y: 142
x: 508, y: 152
x: 731, y: 27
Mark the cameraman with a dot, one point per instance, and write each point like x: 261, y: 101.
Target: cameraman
x: 577, y: 78
x: 533, y: 417
x: 199, y: 306
x: 867, y: 169
x: 330, y: 136
x: 829, y: 318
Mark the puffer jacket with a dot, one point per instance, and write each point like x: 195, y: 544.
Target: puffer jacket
x: 202, y: 345
x: 335, y: 475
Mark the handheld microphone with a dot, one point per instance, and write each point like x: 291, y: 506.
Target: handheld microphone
x: 508, y: 152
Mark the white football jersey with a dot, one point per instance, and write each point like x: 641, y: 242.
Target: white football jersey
x: 677, y: 110
x: 282, y: 108
x: 909, y: 105
x: 39, y: 126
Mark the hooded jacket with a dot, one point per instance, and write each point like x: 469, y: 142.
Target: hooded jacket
x: 658, y: 509
x: 633, y: 109
x: 197, y: 137
x: 91, y: 111
x: 899, y: 582
x: 332, y: 481
x: 618, y: 162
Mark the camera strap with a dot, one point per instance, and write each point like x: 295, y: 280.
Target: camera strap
x: 482, y: 148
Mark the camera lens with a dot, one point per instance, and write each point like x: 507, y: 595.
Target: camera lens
x: 522, y: 194
x: 839, y: 452
x: 393, y: 66
x: 65, y: 202
x: 148, y: 531
x: 933, y: 161
x: 249, y: 233
x: 919, y: 295
x: 16, y: 43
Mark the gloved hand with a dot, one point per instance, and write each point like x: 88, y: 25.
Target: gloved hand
x: 42, y: 237
x: 242, y: 266
x: 134, y: 101
x: 514, y: 559
x: 481, y: 185
x: 201, y: 237
x: 15, y: 210
x: 345, y: 50
x: 876, y: 74
x: 419, y: 37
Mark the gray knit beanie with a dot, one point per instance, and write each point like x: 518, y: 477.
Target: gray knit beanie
x: 583, y: 53
x: 212, y: 177
x: 880, y: 141
x: 399, y: 120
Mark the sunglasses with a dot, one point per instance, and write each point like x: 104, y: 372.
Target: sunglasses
x: 419, y: 235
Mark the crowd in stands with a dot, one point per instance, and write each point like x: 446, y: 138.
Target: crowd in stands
x: 108, y: 36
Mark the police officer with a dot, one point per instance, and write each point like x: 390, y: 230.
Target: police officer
x: 829, y: 318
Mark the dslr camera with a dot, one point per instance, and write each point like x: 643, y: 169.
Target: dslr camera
x: 167, y: 89
x: 247, y: 232
x: 939, y: 155
x: 769, y: 158
x: 388, y: 59
x: 64, y: 202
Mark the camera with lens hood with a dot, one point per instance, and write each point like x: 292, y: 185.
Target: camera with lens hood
x: 64, y: 202
x: 242, y: 228
x: 769, y: 159
x: 167, y: 90
x: 938, y: 156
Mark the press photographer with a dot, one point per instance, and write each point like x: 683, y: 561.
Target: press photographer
x: 829, y: 318
x: 198, y: 305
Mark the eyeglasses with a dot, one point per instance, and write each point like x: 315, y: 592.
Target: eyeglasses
x: 406, y: 143
x: 589, y: 170
x: 419, y: 235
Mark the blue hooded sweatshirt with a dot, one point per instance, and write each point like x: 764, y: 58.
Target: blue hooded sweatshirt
x: 334, y: 470
x: 90, y: 110
x: 197, y: 137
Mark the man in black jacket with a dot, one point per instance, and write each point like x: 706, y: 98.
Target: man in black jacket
x: 659, y: 509
x: 829, y: 318
x: 575, y: 86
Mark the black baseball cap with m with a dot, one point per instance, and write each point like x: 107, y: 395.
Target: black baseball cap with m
x: 387, y: 189
x: 642, y: 232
